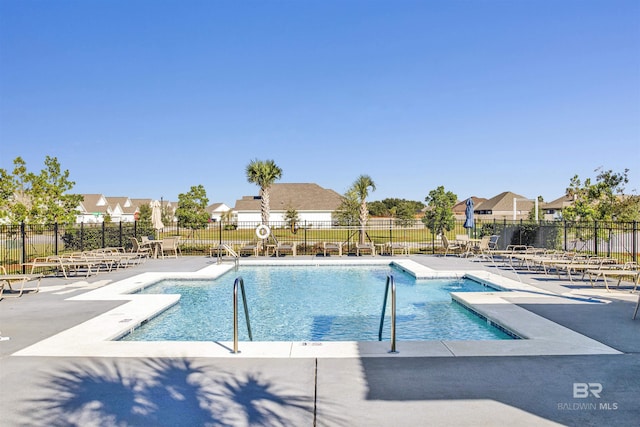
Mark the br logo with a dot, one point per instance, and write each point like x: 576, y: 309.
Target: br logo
x: 584, y: 390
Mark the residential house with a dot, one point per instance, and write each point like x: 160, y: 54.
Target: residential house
x: 553, y: 209
x: 92, y: 209
x: 311, y: 202
x: 460, y: 208
x: 217, y: 210
x: 506, y: 205
x: 122, y: 209
x: 140, y: 202
x: 95, y: 207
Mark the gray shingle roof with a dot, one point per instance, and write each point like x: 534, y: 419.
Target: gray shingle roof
x: 504, y: 202
x: 90, y: 203
x: 301, y: 197
x: 559, y: 203
x: 460, y: 207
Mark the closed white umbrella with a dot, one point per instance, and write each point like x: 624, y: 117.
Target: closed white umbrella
x: 156, y: 215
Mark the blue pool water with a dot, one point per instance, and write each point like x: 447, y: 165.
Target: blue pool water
x: 310, y: 303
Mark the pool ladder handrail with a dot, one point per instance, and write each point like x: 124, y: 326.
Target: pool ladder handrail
x: 390, y: 284
x: 231, y: 252
x: 239, y: 282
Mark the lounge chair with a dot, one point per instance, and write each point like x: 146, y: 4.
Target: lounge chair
x: 286, y: 247
x: 628, y: 270
x: 393, y: 247
x: 635, y: 312
x: 328, y: 247
x: 249, y: 248
x: 7, y: 279
x: 450, y: 246
x: 370, y: 247
x: 580, y: 264
x: 66, y: 264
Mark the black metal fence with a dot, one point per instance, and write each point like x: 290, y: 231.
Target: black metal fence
x: 21, y: 243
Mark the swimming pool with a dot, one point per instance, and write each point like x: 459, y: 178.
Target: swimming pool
x: 316, y: 303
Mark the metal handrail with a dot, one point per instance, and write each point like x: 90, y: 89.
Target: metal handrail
x: 239, y: 281
x: 390, y: 283
x: 231, y: 252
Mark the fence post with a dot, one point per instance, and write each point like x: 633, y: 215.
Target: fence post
x: 433, y: 241
x: 120, y: 235
x: 82, y: 236
x: 595, y: 237
x: 305, y: 237
x: 103, y: 233
x: 634, y: 241
x: 23, y: 235
x: 390, y: 230
x: 55, y: 236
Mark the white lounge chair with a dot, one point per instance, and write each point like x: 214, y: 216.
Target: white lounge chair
x: 286, y: 247
x: 628, y: 270
x: 366, y: 247
x: 8, y: 279
x: 328, y: 247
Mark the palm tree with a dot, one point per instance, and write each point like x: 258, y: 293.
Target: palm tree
x: 361, y: 187
x: 263, y: 173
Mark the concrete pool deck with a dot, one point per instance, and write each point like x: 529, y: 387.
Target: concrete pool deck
x: 327, y: 383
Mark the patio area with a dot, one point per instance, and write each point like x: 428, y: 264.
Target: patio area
x: 415, y: 389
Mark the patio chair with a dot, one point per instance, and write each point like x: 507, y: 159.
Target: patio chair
x: 397, y: 247
x: 481, y: 250
x: 328, y: 247
x: 286, y: 247
x: 450, y: 246
x: 138, y: 249
x: 360, y: 247
x: 169, y: 245
x: 249, y: 248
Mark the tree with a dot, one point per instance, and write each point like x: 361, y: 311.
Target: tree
x: 532, y: 213
x: 192, y: 208
x: 227, y: 217
x: 391, y: 207
x: 405, y: 214
x: 42, y: 198
x: 361, y: 188
x: 291, y: 217
x: 440, y: 215
x: 263, y: 174
x: 603, y: 200
x: 145, y: 215
x: 628, y: 209
x: 347, y: 212
x: 51, y: 204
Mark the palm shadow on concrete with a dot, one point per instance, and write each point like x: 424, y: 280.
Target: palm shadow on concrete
x: 163, y: 392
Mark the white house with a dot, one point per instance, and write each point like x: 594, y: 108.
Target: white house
x: 92, y: 209
x: 122, y: 209
x: 216, y: 210
x: 311, y: 202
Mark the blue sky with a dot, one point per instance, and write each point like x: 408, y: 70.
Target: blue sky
x: 148, y: 98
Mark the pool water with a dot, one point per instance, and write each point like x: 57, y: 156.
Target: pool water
x: 310, y: 303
